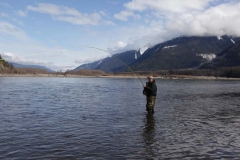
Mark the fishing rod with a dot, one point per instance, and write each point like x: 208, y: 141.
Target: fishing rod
x: 118, y: 59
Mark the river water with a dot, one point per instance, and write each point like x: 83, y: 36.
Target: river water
x: 105, y: 118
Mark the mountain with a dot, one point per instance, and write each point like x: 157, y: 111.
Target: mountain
x: 112, y: 64
x: 230, y: 57
x: 182, y: 53
x: 177, y: 53
x: 16, y: 65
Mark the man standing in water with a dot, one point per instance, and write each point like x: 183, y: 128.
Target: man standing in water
x: 150, y: 90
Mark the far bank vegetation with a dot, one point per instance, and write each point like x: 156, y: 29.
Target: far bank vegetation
x: 229, y: 72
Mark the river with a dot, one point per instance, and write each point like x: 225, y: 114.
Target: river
x: 105, y: 118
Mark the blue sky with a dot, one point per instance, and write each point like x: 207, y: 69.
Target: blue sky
x: 52, y: 32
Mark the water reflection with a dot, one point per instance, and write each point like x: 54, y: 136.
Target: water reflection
x: 149, y: 134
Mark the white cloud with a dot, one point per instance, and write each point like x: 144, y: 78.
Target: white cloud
x: 121, y: 44
x: 7, y: 28
x: 13, y: 58
x: 4, y: 15
x: 5, y: 5
x: 124, y: 15
x: 102, y: 13
x: 118, y: 47
x: 92, y: 19
x: 18, y: 21
x: 109, y: 23
x: 219, y: 20
x: 67, y: 14
x: 175, y: 6
x: 21, y: 13
x: 54, y: 9
x: 88, y: 60
x: 167, y: 19
x: 62, y: 68
x: 47, y: 53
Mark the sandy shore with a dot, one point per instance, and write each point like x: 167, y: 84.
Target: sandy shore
x: 120, y: 76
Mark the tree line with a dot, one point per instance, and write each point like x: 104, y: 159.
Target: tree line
x: 229, y: 72
x: 5, y: 67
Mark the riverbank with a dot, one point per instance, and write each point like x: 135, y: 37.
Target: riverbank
x: 120, y: 76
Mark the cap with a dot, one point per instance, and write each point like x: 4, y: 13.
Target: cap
x: 150, y: 77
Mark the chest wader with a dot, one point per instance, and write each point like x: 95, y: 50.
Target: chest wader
x: 150, y: 103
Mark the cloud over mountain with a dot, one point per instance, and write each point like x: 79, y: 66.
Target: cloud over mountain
x: 166, y: 19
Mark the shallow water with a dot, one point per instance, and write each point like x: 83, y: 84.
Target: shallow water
x: 98, y: 118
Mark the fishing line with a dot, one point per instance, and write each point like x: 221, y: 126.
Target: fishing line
x: 118, y: 59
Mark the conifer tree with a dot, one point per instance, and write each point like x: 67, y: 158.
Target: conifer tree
x: 11, y: 66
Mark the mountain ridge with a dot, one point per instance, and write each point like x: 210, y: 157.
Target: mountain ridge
x: 229, y: 57
x: 17, y: 65
x: 177, y: 53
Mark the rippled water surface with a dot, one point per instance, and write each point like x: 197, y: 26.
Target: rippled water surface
x: 98, y: 118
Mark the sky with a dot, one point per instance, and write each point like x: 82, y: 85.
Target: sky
x: 57, y: 33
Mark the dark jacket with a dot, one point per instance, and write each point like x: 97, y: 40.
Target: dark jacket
x: 150, y: 89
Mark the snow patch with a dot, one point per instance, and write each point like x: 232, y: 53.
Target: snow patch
x: 219, y: 37
x: 99, y: 62
x: 157, y: 49
x: 209, y: 57
x: 135, y: 56
x: 233, y: 41
x: 142, y: 50
x: 169, y: 46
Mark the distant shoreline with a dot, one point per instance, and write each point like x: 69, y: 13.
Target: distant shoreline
x: 121, y: 76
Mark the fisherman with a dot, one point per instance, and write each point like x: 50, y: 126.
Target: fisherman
x: 150, y: 90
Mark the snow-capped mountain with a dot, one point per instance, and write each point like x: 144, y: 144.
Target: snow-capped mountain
x: 113, y: 63
x: 177, y: 53
x: 230, y: 57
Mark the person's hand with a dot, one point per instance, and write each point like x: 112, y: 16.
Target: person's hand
x: 144, y: 86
